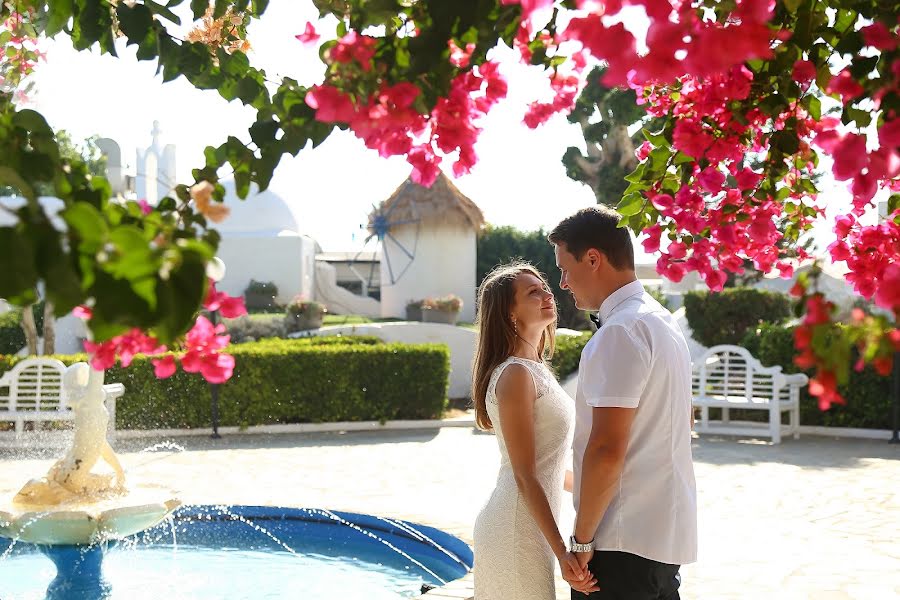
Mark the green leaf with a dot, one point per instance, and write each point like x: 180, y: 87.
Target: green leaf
x: 630, y: 205
x: 58, y: 16
x: 786, y: 141
x: 88, y: 224
x: 813, y: 106
x: 198, y: 7
x: 658, y: 139
x: 792, y: 5
x: 893, y: 203
x: 18, y: 276
x: 133, y: 259
x: 163, y: 11
x: 134, y: 21
x: 862, y: 118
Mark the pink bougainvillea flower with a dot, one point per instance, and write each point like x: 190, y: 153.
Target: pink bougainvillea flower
x: 164, y: 367
x: 355, y: 47
x: 879, y: 36
x: 82, y: 312
x: 146, y: 209
x: 309, y: 36
x: 888, y: 294
x: 845, y: 85
x: 230, y: 307
x: 804, y: 73
x: 850, y: 156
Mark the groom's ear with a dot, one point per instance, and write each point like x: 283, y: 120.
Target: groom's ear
x: 595, y: 258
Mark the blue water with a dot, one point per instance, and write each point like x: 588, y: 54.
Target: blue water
x: 164, y: 572
x: 241, y: 553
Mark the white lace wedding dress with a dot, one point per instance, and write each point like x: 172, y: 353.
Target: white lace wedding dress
x: 513, y: 561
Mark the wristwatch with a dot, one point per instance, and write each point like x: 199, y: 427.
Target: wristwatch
x: 576, y: 547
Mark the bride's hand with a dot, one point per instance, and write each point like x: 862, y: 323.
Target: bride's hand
x: 577, y: 576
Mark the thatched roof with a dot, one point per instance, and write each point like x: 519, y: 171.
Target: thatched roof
x: 441, y: 204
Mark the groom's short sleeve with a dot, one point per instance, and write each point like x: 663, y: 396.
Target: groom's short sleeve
x: 616, y: 369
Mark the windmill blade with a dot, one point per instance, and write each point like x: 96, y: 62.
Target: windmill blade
x: 387, y: 259
x: 402, y: 247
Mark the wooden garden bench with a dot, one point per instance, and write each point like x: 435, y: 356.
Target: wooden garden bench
x: 32, y: 392
x: 728, y: 377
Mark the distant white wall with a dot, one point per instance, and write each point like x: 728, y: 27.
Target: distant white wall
x: 444, y: 264
x: 460, y: 340
x: 288, y: 261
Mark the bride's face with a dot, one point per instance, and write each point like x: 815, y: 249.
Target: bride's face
x: 533, y: 303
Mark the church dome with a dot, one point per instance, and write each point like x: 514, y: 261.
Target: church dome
x: 260, y: 213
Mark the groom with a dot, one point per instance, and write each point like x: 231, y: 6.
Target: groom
x: 635, y: 496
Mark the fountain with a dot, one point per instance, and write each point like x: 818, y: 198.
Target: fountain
x: 73, y: 512
x: 76, y: 515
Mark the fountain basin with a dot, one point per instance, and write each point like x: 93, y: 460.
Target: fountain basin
x: 84, y: 523
x: 231, y: 552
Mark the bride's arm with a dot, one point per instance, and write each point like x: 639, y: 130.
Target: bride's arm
x: 515, y: 399
x: 569, y: 482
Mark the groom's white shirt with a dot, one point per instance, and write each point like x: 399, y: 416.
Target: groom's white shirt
x: 639, y: 359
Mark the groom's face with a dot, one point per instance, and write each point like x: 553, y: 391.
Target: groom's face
x: 575, y: 276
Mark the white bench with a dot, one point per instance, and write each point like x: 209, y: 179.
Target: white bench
x: 32, y: 392
x: 728, y: 377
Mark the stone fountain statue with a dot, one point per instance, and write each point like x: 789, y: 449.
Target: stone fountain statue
x: 70, y: 478
x: 73, y: 512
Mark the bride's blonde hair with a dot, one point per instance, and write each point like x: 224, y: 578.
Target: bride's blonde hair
x: 496, y: 332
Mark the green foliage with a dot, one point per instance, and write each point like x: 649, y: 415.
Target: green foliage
x: 290, y: 381
x: 867, y: 393
x: 71, y: 153
x: 12, y: 336
x: 498, y: 245
x: 568, y: 353
x: 725, y: 317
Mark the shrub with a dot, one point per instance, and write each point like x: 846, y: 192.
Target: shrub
x: 290, y: 381
x: 260, y: 295
x: 263, y: 288
x: 302, y: 314
x: 246, y: 329
x: 725, y: 317
x: 568, y: 353
x: 868, y: 394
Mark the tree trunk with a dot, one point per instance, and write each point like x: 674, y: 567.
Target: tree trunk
x: 49, y: 329
x: 30, y: 329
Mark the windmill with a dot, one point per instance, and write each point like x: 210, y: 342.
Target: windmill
x: 397, y: 252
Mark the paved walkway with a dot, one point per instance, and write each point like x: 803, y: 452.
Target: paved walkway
x: 815, y: 518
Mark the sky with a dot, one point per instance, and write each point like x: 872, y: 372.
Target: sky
x: 518, y: 181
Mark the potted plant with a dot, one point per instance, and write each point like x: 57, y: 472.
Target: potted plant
x: 442, y: 310
x: 414, y: 310
x: 302, y: 314
x: 260, y: 295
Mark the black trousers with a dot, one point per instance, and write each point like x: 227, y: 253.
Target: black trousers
x: 623, y: 576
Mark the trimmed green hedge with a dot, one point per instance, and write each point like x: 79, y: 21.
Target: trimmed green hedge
x: 290, y: 381
x: 868, y: 394
x: 725, y: 317
x: 568, y: 353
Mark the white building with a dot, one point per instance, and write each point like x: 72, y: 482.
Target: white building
x: 261, y: 241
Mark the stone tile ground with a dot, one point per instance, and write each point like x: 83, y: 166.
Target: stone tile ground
x: 816, y: 518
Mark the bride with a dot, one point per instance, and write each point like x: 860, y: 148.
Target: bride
x: 517, y: 537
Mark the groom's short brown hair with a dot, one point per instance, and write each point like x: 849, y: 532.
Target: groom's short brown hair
x: 596, y: 227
